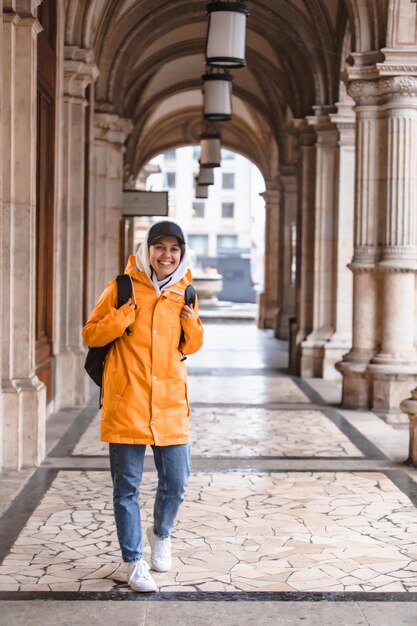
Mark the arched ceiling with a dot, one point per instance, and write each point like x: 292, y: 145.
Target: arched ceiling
x: 150, y: 54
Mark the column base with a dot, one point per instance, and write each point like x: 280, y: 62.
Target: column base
x: 318, y: 359
x: 390, y: 385
x: 268, y: 312
x: 356, y: 393
x: 282, y: 325
x: 24, y: 411
x: 72, y: 381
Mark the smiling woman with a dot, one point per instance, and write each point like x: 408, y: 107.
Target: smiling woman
x: 145, y: 391
x: 165, y: 256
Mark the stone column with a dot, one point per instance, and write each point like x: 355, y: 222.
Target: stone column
x: 110, y: 133
x: 268, y: 304
x: 314, y: 359
x: 394, y: 368
x: 409, y: 407
x: 305, y: 240
x: 23, y: 395
x: 382, y: 365
x: 1, y: 225
x: 287, y: 261
x: 369, y: 168
x: 72, y: 384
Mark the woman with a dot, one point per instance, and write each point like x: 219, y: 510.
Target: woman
x: 145, y: 392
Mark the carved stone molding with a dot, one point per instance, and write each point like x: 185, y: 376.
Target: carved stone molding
x: 111, y: 128
x: 382, y: 89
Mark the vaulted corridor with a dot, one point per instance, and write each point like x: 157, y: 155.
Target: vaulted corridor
x: 292, y: 500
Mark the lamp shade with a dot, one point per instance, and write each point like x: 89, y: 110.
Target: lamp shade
x: 205, y: 176
x: 217, y: 91
x: 225, y: 45
x: 210, y: 150
x: 201, y: 191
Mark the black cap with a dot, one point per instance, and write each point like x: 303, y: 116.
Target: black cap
x: 165, y: 229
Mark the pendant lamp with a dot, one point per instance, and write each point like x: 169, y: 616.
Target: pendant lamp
x: 210, y: 148
x: 225, y: 45
x: 201, y: 191
x: 205, y: 176
x: 217, y: 95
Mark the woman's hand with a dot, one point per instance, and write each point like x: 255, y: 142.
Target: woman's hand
x: 131, y: 304
x: 187, y: 312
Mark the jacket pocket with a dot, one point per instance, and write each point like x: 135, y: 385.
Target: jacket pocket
x: 115, y: 384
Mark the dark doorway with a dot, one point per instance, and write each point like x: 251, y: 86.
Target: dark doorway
x: 45, y: 193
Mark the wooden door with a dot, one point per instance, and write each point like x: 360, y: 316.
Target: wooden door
x: 45, y: 194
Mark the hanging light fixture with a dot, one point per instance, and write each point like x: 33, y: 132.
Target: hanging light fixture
x: 210, y: 147
x: 225, y: 45
x: 205, y: 176
x: 201, y: 191
x: 217, y: 92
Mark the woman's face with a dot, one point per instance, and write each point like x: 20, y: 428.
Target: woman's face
x: 165, y: 256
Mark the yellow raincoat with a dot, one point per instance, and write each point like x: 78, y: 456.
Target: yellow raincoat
x: 145, y: 379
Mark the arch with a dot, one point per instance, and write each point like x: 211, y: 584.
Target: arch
x: 368, y: 19
x: 402, y: 24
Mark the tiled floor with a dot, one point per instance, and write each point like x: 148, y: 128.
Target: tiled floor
x: 221, y: 431
x: 309, y: 529
x: 291, y: 531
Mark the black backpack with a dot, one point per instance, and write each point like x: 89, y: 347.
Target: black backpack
x: 94, y: 361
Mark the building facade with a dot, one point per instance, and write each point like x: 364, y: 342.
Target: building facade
x: 231, y: 219
x: 327, y: 110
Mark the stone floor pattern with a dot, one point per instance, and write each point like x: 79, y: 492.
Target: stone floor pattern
x: 241, y: 529
x: 249, y: 432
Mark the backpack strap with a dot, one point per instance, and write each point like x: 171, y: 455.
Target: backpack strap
x: 124, y: 289
x: 190, y: 296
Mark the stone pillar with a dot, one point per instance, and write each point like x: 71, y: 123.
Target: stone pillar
x: 1, y: 226
x: 268, y: 304
x: 382, y: 364
x: 287, y: 260
x: 110, y: 133
x: 23, y: 395
x: 315, y: 359
x: 305, y: 240
x: 409, y: 406
x: 72, y: 384
x: 394, y: 368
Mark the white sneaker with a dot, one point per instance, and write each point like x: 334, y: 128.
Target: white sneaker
x: 160, y: 551
x: 139, y: 578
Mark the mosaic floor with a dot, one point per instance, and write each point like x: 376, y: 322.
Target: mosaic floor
x: 240, y: 530
x: 249, y: 432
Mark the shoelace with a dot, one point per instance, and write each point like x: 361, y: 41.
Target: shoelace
x: 142, y: 569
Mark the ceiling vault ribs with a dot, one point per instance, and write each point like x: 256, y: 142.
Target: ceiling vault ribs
x: 151, y: 52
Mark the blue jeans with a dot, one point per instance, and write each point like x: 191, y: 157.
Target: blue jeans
x: 173, y: 464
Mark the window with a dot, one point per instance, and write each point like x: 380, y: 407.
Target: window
x: 170, y: 180
x: 228, y: 181
x: 198, y: 244
x: 171, y: 154
x: 196, y: 152
x: 227, y: 154
x: 226, y: 241
x: 228, y: 210
x: 198, y: 209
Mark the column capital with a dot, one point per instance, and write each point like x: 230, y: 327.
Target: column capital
x: 322, y: 123
x: 111, y: 128
x: 79, y: 71
x: 24, y: 8
x: 345, y: 121
x: 381, y: 90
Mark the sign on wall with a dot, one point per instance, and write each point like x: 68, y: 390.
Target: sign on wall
x: 137, y: 203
